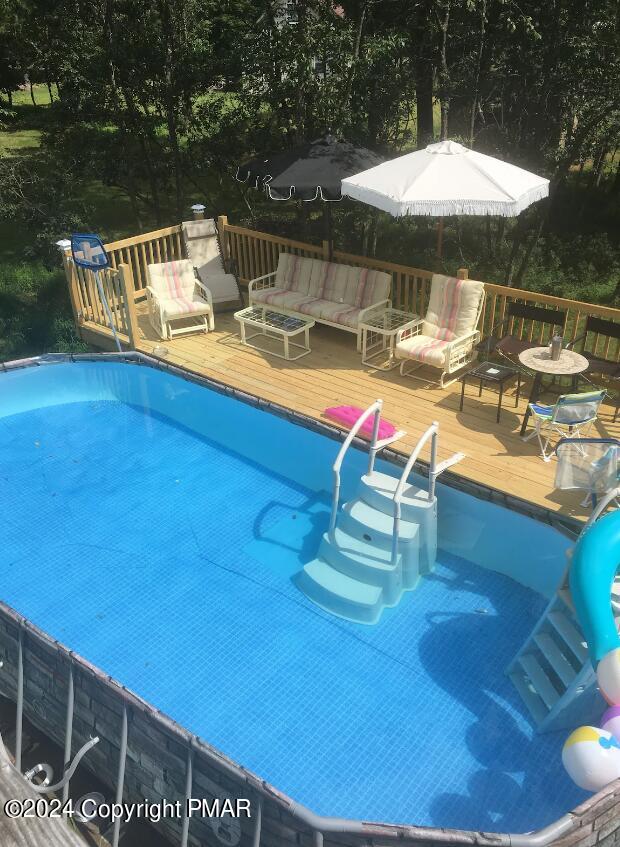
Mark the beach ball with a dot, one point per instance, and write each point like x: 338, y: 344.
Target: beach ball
x: 610, y: 721
x: 591, y: 757
x: 608, y: 675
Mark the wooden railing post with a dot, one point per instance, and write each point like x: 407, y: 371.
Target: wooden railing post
x: 462, y: 273
x: 222, y: 226
x: 129, y: 298
x: 74, y: 294
x: 326, y: 255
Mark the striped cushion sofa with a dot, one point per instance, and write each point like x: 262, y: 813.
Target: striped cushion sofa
x: 333, y: 294
x: 448, y: 335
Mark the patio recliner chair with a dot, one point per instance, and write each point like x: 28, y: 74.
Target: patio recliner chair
x: 174, y: 295
x: 448, y: 335
x: 202, y: 247
x: 571, y: 416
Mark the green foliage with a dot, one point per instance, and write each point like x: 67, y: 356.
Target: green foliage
x: 141, y: 107
x: 34, y: 311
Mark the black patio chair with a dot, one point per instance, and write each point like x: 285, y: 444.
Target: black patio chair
x: 586, y: 344
x: 509, y: 346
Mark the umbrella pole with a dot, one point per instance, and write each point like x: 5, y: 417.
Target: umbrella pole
x: 440, y: 238
x: 328, y: 229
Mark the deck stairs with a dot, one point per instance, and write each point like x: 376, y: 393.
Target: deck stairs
x: 553, y: 671
x: 380, y: 542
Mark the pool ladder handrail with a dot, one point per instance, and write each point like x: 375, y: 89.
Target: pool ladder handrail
x: 434, y: 471
x: 375, y: 445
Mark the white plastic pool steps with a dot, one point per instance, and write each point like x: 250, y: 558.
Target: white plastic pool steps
x: 552, y: 671
x: 381, y: 541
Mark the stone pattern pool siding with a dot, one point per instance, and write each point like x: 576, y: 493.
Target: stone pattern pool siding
x: 158, y: 752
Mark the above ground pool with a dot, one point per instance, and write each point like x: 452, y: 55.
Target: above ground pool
x: 155, y: 527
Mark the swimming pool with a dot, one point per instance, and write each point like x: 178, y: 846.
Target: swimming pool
x: 154, y: 526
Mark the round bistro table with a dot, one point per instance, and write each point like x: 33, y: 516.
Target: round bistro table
x: 538, y: 359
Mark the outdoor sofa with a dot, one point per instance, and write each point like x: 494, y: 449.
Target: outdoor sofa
x: 329, y: 293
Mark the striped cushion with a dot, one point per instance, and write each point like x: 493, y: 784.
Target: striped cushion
x: 171, y: 280
x: 430, y: 351
x: 326, y: 310
x: 342, y: 284
x: 280, y: 297
x: 453, y: 307
x: 184, y: 306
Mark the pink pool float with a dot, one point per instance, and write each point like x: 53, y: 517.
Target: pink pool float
x: 348, y: 415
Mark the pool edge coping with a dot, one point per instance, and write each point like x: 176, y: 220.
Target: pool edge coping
x: 561, y: 827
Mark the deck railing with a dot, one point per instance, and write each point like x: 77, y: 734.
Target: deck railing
x: 88, y: 310
x: 256, y: 253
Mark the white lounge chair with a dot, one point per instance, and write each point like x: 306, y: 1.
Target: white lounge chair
x: 174, y: 295
x: 447, y: 337
x: 571, y: 416
x: 202, y: 247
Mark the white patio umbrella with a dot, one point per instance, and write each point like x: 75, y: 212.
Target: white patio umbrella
x: 446, y: 179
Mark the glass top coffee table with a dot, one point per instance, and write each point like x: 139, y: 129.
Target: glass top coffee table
x: 379, y: 329
x: 272, y: 324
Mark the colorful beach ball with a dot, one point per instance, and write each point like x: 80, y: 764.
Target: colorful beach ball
x: 591, y: 757
x: 610, y: 721
x: 608, y: 675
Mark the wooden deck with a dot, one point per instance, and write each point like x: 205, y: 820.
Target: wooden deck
x: 333, y: 374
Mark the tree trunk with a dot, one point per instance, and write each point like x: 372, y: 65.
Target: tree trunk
x: 424, y: 102
x: 34, y: 102
x: 170, y: 104
x: 525, y: 259
x: 489, y: 236
x: 476, y: 94
x: 355, y: 54
x: 518, y: 238
x: 444, y: 73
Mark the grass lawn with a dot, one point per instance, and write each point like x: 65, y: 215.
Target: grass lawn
x: 34, y: 307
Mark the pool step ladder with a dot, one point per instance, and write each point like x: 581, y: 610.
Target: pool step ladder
x: 552, y: 671
x: 380, y: 542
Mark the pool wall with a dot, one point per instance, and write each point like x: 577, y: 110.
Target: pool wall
x: 159, y: 749
x: 157, y: 762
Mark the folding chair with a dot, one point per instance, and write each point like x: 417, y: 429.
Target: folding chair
x: 571, y: 415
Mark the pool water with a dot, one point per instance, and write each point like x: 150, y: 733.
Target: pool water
x: 165, y: 557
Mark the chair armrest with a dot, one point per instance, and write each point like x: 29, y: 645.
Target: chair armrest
x: 252, y: 284
x: 470, y: 339
x: 409, y: 329
x: 572, y: 343
x: 376, y: 307
x: 457, y: 350
x: 204, y: 292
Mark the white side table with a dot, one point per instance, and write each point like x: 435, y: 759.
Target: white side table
x: 379, y: 330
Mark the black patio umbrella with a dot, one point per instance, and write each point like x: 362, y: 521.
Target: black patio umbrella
x: 312, y: 171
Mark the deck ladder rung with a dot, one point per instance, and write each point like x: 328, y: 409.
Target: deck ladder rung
x: 570, y: 634
x: 558, y: 661
x: 539, y: 679
x: 531, y: 699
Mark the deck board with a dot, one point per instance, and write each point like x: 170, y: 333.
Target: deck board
x: 333, y: 374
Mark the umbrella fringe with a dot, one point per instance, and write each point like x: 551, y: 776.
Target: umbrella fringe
x: 447, y: 208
